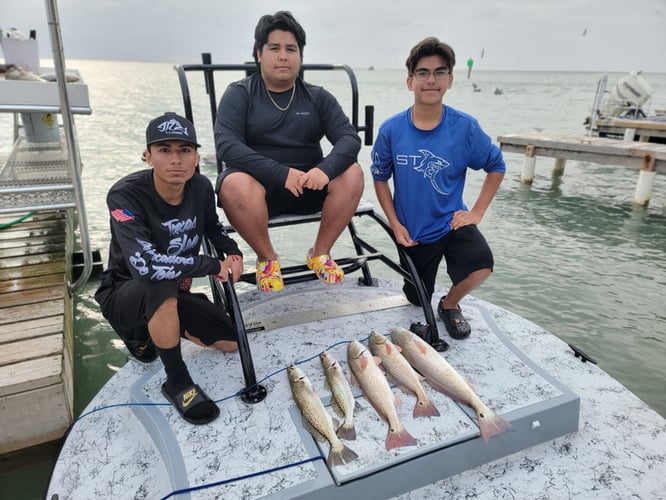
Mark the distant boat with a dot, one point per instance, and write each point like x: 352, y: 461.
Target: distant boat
x: 371, y: 68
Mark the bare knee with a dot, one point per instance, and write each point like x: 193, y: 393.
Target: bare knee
x: 350, y: 181
x: 238, y: 187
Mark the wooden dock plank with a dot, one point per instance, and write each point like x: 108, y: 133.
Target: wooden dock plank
x: 20, y: 313
x: 30, y: 349
x: 19, y: 284
x: 32, y: 296
x: 34, y: 270
x: 586, y: 148
x: 29, y: 375
x: 32, y: 328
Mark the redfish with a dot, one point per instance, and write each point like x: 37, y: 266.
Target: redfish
x: 316, y: 419
x: 377, y: 391
x: 401, y: 373
x: 444, y: 378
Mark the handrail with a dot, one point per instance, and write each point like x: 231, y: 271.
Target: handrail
x: 70, y: 137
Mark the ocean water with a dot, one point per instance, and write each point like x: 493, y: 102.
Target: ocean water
x: 572, y: 254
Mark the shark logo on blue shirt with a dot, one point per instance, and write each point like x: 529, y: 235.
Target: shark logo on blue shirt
x: 431, y: 165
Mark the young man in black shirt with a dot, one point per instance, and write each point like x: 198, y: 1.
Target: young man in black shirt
x: 267, y: 132
x: 158, y: 219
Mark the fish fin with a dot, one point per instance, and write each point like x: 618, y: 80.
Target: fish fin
x: 347, y: 432
x: 396, y: 400
x: 340, y: 455
x: 377, y: 360
x: 397, y: 438
x: 425, y: 409
x: 491, y: 424
x: 364, y: 363
x: 421, y: 345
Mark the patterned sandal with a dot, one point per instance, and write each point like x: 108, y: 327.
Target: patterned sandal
x: 325, y: 268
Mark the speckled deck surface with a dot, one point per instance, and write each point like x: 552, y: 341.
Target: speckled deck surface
x: 136, y: 446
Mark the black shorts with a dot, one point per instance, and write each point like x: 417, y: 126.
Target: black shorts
x: 129, y: 305
x: 279, y: 200
x: 465, y: 251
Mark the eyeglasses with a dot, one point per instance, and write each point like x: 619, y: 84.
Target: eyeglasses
x: 424, y: 74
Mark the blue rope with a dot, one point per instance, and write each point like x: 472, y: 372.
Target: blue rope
x: 240, y: 478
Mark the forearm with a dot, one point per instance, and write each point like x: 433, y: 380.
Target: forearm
x: 490, y: 186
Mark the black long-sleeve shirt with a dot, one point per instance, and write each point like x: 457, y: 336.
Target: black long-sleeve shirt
x: 152, y: 240
x: 252, y: 135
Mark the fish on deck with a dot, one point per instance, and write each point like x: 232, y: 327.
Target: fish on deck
x: 377, y: 391
x: 401, y: 373
x: 444, y: 378
x: 316, y: 419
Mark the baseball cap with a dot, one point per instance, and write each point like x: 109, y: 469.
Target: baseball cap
x: 171, y: 127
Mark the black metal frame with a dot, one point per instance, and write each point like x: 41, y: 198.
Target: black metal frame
x: 224, y: 293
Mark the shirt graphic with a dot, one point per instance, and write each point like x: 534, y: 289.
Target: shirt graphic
x: 122, y: 215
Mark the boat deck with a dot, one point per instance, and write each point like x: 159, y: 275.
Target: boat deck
x: 36, y: 393
x: 130, y: 443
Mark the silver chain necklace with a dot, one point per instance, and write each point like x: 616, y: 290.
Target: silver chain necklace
x: 293, y: 92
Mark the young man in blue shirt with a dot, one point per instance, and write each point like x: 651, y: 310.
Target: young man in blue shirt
x: 427, y: 149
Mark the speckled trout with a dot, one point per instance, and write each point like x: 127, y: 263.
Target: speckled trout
x: 342, y: 399
x: 315, y: 417
x: 377, y: 391
x: 401, y: 373
x: 444, y: 378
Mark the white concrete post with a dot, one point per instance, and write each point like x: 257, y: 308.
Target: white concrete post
x: 645, y: 182
x: 527, y: 176
x: 558, y: 167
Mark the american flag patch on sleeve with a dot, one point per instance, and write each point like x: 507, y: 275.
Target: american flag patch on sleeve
x: 122, y: 214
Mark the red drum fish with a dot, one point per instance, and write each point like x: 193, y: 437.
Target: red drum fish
x: 444, y: 378
x: 377, y: 391
x: 401, y: 373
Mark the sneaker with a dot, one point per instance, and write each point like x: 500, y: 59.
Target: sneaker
x: 269, y: 277
x: 325, y: 268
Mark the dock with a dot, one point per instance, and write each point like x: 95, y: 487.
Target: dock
x: 36, y: 331
x: 646, y: 157
x: 632, y: 130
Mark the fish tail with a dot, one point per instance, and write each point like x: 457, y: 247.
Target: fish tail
x: 425, y: 408
x: 346, y: 431
x: 399, y: 437
x: 340, y: 455
x: 491, y: 424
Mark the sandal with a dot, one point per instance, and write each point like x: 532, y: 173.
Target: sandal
x: 455, y: 322
x: 188, y: 399
x: 325, y: 268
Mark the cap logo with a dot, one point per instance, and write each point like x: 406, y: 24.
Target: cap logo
x: 172, y: 126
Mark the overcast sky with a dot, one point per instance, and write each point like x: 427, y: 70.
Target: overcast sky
x: 577, y: 35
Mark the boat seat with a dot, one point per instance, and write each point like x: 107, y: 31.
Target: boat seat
x: 299, y: 273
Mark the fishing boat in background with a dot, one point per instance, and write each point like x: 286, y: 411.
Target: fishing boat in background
x: 575, y: 431
x: 624, y: 111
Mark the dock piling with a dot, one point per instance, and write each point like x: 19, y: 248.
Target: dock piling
x: 646, y: 178
x: 529, y: 165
